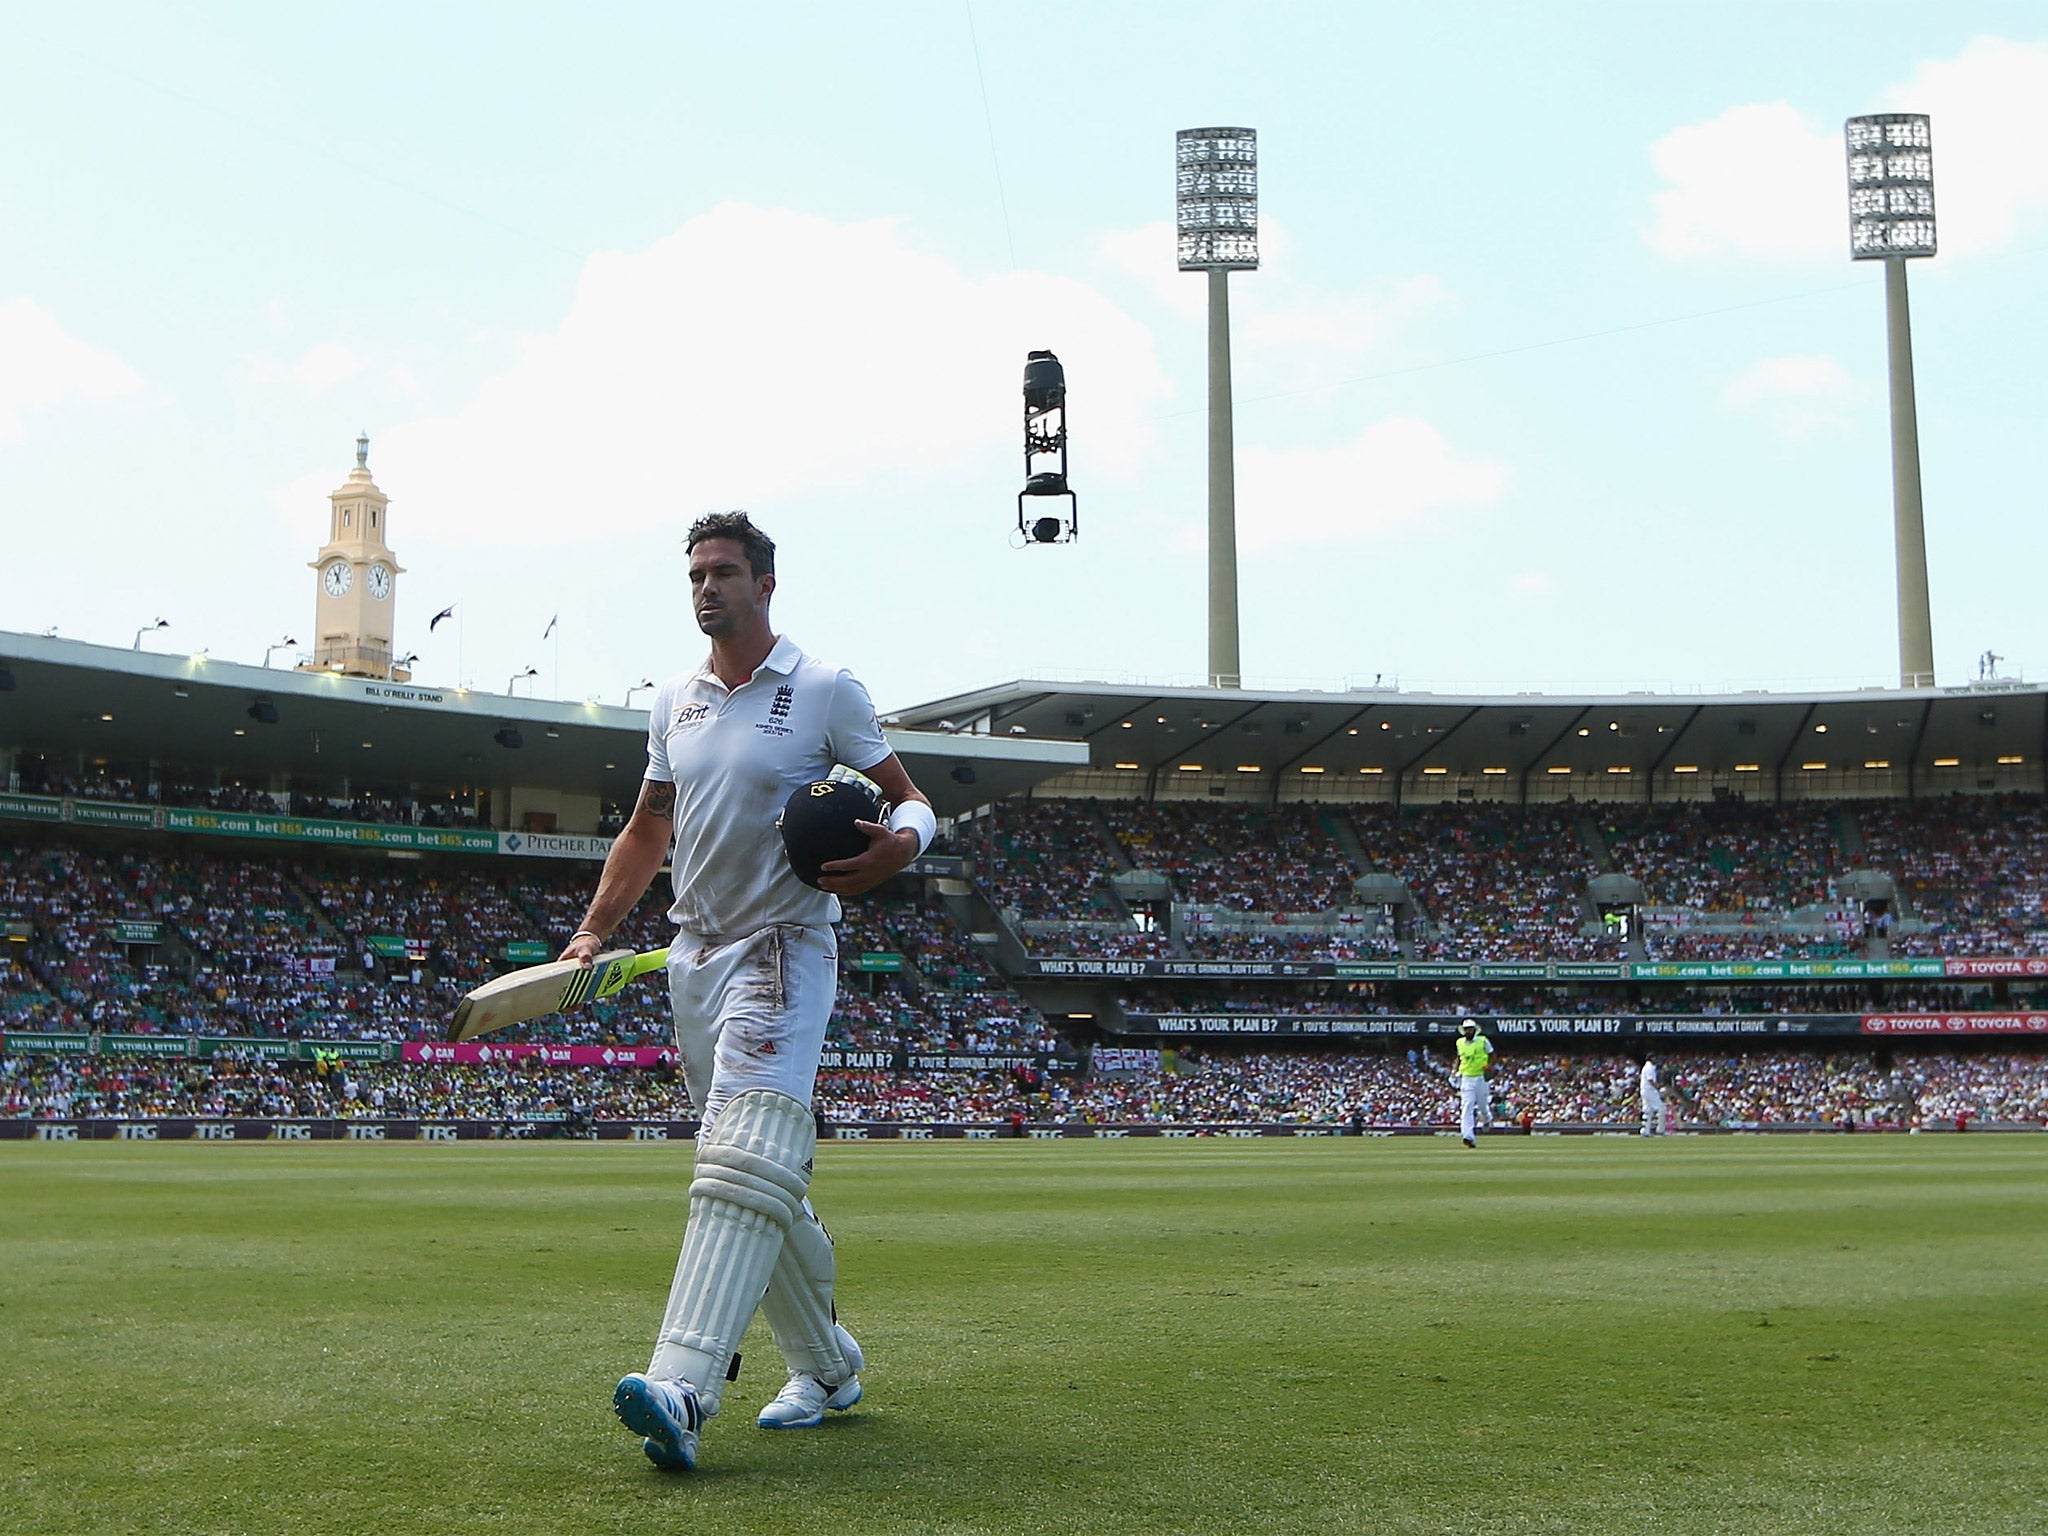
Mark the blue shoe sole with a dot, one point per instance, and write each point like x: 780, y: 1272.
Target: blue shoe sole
x: 669, y: 1445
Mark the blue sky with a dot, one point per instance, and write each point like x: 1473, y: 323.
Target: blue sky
x: 1557, y: 373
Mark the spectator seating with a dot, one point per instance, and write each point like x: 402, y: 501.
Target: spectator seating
x: 1393, y: 1088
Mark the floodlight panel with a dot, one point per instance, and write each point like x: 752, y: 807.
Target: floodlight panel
x: 1216, y: 198
x: 1891, y: 185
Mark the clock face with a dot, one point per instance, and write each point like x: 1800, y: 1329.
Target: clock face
x: 380, y: 581
x: 337, y: 578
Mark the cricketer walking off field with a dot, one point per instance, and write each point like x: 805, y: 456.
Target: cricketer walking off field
x: 753, y: 975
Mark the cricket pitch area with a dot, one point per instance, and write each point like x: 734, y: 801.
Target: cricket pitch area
x: 1706, y: 1335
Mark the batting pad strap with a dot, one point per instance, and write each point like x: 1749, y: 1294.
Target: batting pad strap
x: 753, y: 1167
x: 748, y: 1179
x: 918, y: 817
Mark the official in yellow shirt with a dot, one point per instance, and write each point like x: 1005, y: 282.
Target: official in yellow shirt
x: 1475, y: 1051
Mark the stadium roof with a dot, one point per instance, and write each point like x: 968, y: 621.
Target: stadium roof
x: 1598, y: 746
x: 198, y: 714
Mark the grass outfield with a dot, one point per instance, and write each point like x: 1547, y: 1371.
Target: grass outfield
x: 1577, y: 1336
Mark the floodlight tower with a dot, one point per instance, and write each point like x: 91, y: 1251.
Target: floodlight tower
x: 1891, y: 219
x: 1216, y: 208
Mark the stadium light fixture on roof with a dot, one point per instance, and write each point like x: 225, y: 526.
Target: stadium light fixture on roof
x: 1891, y: 185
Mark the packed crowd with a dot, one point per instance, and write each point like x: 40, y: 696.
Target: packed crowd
x: 1414, y: 1088
x: 1723, y: 879
x: 1354, y: 1090
x: 1489, y: 882
x: 1046, y: 859
x: 1975, y: 868
x: 1492, y: 882
x: 69, y: 967
x: 1240, y: 857
x: 1727, y: 855
x: 325, y: 944
x: 51, y: 1087
x: 39, y: 776
x: 1367, y: 999
x: 1369, y: 938
x: 1108, y: 941
x: 314, y: 947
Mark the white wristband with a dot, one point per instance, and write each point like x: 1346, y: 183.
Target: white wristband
x: 918, y: 817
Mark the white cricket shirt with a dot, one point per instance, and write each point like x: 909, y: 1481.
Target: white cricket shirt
x: 734, y: 755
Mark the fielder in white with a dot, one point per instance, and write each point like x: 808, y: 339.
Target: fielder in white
x: 1656, y: 1121
x: 1475, y: 1051
x: 752, y: 977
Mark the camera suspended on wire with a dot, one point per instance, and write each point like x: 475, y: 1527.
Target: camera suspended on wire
x: 1039, y: 517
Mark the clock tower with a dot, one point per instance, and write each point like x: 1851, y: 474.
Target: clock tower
x: 357, y: 581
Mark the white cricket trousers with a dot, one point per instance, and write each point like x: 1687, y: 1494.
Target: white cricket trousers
x: 1473, y: 1106
x: 751, y: 1013
x: 1654, y: 1123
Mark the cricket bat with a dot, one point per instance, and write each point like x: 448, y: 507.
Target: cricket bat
x: 518, y: 996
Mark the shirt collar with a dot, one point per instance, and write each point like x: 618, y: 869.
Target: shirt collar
x: 782, y: 659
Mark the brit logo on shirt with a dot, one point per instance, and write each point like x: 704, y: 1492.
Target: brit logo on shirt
x: 688, y: 715
x: 777, y: 723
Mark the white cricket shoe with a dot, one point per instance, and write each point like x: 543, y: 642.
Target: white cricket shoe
x: 802, y: 1402
x: 666, y: 1413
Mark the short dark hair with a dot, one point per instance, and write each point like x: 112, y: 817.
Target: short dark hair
x: 737, y: 526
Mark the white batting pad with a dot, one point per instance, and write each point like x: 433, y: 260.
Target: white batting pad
x: 798, y: 1305
x: 753, y: 1168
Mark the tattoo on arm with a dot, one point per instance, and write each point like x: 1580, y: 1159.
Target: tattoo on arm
x: 658, y: 799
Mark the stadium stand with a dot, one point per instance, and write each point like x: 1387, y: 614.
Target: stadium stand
x: 1244, y: 858
x: 1491, y: 883
x: 1973, y: 870
x: 1343, y: 1089
x: 114, y: 934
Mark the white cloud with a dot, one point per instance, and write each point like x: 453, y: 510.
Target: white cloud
x: 1800, y: 394
x: 1146, y: 253
x: 753, y: 355
x: 318, y: 371
x: 1989, y: 172
x: 42, y: 365
x: 1398, y: 471
x: 1532, y: 583
x: 1765, y: 181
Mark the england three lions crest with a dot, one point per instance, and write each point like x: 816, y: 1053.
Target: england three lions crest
x: 777, y: 723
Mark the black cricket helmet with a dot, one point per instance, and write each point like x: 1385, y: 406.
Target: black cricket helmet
x: 817, y: 822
